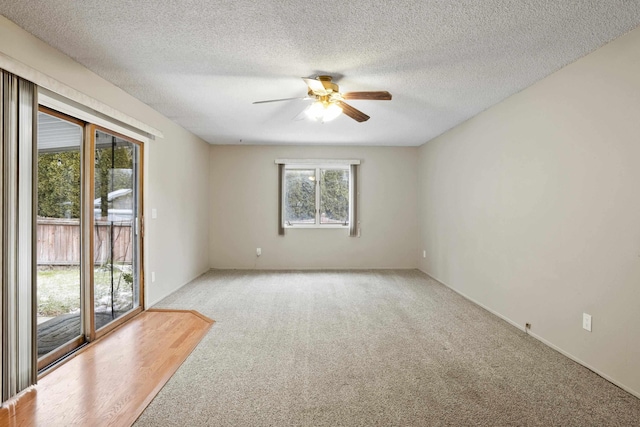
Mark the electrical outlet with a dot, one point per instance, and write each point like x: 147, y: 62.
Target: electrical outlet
x: 153, y: 276
x: 424, y: 254
x: 258, y: 251
x: 154, y: 213
x: 586, y: 321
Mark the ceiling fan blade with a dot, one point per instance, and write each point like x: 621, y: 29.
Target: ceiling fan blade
x: 278, y: 100
x: 356, y: 115
x: 315, y: 86
x: 302, y: 115
x: 377, y: 96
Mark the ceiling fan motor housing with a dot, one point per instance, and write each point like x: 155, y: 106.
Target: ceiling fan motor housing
x: 328, y: 84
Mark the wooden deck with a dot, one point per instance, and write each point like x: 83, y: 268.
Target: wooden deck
x: 111, y: 381
x: 61, y: 329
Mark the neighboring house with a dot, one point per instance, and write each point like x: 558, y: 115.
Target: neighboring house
x: 120, y: 206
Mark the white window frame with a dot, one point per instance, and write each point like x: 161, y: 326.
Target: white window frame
x: 317, y: 165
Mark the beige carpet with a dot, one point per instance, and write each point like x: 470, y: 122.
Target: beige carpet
x: 369, y: 348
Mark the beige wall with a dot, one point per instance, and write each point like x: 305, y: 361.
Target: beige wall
x: 244, y: 211
x: 177, y: 168
x: 532, y: 209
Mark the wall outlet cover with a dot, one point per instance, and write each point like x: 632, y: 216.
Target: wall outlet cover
x: 586, y: 321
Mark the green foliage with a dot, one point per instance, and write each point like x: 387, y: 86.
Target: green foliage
x: 300, y: 196
x: 59, y: 180
x: 334, y: 195
x: 59, y: 184
x: 107, y: 159
x: 128, y: 278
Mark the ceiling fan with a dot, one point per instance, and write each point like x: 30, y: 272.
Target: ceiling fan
x: 329, y: 101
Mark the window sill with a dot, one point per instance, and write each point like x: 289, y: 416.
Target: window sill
x: 316, y: 226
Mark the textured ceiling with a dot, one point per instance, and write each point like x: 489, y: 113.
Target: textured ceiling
x: 202, y: 63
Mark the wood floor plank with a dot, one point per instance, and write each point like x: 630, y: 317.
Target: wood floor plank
x: 112, y: 380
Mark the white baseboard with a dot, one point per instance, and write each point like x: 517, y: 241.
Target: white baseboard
x: 539, y: 338
x: 157, y: 300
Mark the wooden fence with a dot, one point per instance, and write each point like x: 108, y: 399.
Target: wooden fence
x: 59, y: 242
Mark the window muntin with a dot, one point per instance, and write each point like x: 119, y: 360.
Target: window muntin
x: 316, y: 197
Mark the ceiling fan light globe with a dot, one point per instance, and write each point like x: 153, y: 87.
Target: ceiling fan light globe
x: 331, y: 112
x: 316, y: 111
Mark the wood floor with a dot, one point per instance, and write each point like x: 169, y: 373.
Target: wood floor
x: 110, y: 382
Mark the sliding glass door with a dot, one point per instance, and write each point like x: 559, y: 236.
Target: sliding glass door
x: 88, y: 233
x: 58, y: 225
x: 116, y: 227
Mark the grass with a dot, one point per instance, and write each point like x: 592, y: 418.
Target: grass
x: 59, y: 289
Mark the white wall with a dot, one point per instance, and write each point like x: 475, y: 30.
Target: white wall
x: 244, y: 211
x: 177, y: 168
x: 532, y: 209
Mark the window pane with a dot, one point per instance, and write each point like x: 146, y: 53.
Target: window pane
x: 334, y: 196
x: 58, y: 231
x: 116, y: 286
x: 300, y: 196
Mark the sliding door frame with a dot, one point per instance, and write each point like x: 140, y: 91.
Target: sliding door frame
x: 87, y: 238
x: 93, y: 333
x: 60, y: 352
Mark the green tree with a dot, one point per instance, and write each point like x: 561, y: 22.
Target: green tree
x: 59, y: 179
x: 59, y: 184
x: 300, y: 197
x: 334, y: 195
x: 107, y: 161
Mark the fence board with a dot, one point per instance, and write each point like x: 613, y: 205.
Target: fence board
x: 59, y: 242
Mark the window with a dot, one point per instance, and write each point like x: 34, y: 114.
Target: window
x: 318, y: 194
